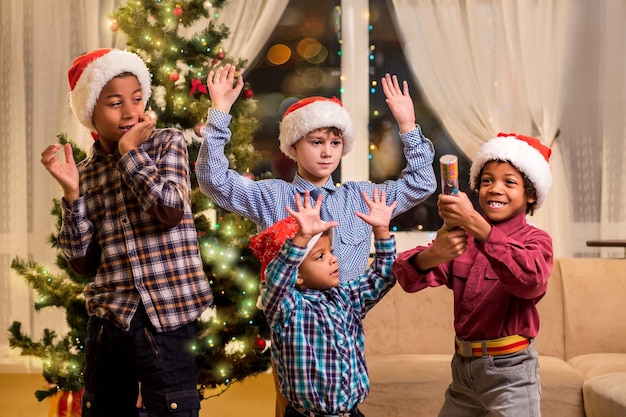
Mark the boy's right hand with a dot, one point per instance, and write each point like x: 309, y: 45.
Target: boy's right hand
x: 448, y: 245
x: 308, y: 218
x: 222, y: 87
x: 66, y: 173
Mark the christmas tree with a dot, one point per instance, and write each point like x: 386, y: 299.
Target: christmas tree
x: 232, y: 343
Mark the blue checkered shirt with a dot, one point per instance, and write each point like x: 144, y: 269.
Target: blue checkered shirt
x: 264, y: 201
x: 133, y: 228
x: 317, y: 336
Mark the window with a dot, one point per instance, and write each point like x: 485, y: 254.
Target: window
x: 306, y: 56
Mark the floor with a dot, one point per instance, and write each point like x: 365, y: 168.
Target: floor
x: 254, y: 397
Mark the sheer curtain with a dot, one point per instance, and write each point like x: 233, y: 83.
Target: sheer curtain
x: 251, y: 22
x: 38, y: 42
x: 488, y: 66
x: 595, y: 127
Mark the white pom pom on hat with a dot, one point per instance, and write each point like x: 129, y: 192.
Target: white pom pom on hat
x: 90, y: 72
x: 525, y: 153
x: 312, y: 113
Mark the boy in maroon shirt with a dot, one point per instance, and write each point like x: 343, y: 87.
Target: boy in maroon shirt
x: 498, y: 267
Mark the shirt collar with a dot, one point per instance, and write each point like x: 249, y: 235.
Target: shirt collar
x: 511, y: 225
x: 302, y: 185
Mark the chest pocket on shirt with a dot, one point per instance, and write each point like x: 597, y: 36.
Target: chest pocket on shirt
x: 463, y: 270
x: 353, y: 235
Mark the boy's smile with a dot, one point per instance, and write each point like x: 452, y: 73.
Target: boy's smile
x: 501, y: 193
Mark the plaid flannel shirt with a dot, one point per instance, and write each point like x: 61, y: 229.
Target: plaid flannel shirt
x: 133, y: 227
x: 317, y: 336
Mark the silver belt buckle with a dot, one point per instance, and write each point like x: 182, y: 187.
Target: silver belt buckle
x: 465, y: 348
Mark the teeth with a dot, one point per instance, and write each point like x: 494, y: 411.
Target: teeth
x: 495, y: 204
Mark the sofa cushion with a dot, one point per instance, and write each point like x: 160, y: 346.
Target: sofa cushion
x: 594, y: 364
x: 415, y: 386
x: 605, y: 395
x: 405, y: 323
x: 561, y: 393
x: 407, y: 385
x: 593, y: 313
x: 551, y: 338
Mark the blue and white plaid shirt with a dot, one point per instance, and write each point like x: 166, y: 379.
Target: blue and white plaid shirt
x: 264, y: 201
x: 317, y: 336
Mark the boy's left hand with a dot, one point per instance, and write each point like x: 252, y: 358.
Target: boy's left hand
x: 455, y: 210
x: 380, y: 213
x: 399, y: 102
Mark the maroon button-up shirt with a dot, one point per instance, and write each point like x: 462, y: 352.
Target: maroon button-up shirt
x: 496, y: 283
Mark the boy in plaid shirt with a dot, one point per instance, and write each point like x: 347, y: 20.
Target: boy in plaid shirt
x: 316, y: 321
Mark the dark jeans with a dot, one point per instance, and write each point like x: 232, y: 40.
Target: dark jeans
x: 117, y: 362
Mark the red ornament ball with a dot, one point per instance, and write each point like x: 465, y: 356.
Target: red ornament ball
x: 114, y: 26
x: 220, y: 55
x: 260, y: 343
x: 197, y: 129
x: 178, y: 11
x: 247, y: 93
x: 174, y: 76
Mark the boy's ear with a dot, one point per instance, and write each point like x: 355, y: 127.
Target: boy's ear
x: 299, y: 280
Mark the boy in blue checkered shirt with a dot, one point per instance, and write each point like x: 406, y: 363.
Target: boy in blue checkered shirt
x: 315, y: 132
x: 316, y: 321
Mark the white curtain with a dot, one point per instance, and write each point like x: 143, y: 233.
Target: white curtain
x: 595, y: 127
x: 489, y: 66
x: 38, y: 41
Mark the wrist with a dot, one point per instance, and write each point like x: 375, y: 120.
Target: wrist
x: 407, y: 127
x: 381, y: 232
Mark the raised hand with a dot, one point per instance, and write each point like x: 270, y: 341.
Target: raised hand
x: 399, y: 102
x: 380, y: 213
x: 66, y: 172
x: 308, y: 217
x: 222, y: 87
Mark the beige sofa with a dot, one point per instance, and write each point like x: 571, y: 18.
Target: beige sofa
x: 581, y: 342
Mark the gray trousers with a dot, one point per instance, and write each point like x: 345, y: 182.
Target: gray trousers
x: 494, y: 386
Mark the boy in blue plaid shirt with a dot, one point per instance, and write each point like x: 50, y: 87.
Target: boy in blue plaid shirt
x: 316, y: 321
x: 315, y: 132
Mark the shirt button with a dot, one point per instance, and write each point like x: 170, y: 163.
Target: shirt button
x: 173, y: 406
x: 88, y: 404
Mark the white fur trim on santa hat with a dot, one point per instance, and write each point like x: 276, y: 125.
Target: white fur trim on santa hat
x: 97, y: 74
x: 528, y: 160
x: 315, y: 115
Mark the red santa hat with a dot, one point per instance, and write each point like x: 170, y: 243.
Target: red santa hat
x: 90, y: 72
x: 312, y: 113
x: 525, y: 153
x: 266, y: 245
